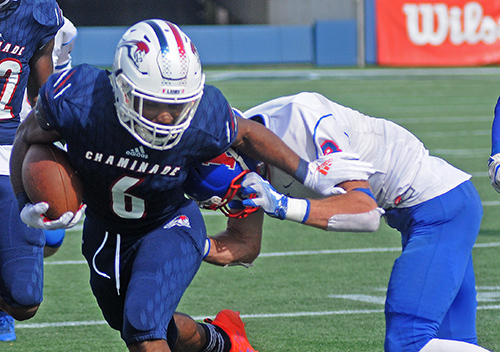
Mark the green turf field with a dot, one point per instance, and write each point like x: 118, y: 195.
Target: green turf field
x: 311, y: 290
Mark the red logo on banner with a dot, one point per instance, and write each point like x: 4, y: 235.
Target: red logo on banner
x: 438, y: 33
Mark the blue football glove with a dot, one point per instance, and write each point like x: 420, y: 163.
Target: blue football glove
x: 273, y: 203
x: 494, y: 172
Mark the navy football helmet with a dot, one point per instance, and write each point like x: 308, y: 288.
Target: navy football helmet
x: 215, y: 184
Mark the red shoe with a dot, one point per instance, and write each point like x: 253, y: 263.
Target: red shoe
x: 230, y: 321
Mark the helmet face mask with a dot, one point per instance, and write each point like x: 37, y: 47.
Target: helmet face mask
x: 216, y: 184
x: 222, y: 204
x: 156, y: 61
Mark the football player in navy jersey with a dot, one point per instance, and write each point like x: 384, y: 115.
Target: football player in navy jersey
x: 64, y: 42
x: 132, y: 135
x: 27, y: 30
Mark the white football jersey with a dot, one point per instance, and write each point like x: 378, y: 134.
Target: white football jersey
x: 64, y: 42
x: 313, y: 126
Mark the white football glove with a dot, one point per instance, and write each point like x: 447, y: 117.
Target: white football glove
x: 493, y: 171
x: 273, y: 203
x: 32, y: 215
x: 326, y: 172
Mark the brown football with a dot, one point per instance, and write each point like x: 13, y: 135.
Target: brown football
x: 49, y: 177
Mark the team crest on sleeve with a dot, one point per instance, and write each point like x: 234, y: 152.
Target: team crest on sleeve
x: 223, y: 159
x: 329, y: 147
x: 181, y: 220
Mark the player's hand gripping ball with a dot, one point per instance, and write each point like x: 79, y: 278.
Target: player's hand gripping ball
x: 49, y: 177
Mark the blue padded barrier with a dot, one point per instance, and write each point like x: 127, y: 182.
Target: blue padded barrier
x: 326, y: 43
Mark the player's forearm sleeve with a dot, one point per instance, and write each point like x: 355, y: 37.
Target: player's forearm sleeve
x: 364, y: 222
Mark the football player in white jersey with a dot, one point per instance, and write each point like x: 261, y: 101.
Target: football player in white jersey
x: 64, y: 43
x: 376, y: 168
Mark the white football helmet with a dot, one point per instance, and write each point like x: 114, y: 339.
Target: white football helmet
x: 156, y: 61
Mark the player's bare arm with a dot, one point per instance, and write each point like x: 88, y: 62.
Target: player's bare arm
x: 41, y: 68
x: 239, y: 243
x: 351, y: 207
x: 262, y: 144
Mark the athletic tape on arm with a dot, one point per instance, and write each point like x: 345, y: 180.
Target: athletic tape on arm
x: 363, y: 222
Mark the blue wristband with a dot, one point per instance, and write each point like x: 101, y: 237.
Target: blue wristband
x: 207, y: 247
x: 22, y: 200
x: 301, y: 172
x: 306, y: 216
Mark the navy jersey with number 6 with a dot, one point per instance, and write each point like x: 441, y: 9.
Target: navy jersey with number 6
x: 130, y: 186
x: 23, y: 31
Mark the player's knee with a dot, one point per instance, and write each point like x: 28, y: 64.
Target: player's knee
x: 23, y: 280
x: 23, y: 313
x: 407, y: 333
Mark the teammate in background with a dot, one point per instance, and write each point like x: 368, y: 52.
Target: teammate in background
x: 132, y: 135
x: 375, y: 167
x: 64, y: 42
x: 27, y: 30
x: 63, y: 45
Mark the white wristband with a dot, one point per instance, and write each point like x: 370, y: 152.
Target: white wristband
x: 298, y: 209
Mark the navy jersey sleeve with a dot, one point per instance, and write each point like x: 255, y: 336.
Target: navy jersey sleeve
x: 70, y: 98
x: 49, y: 15
x: 214, y: 124
x: 55, y: 96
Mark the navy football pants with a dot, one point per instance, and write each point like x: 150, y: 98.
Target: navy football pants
x: 139, y: 281
x: 21, y: 253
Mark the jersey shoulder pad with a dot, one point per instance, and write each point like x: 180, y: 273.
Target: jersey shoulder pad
x: 81, y: 77
x: 216, y: 110
x: 48, y: 13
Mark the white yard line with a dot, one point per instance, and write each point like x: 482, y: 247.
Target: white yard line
x: 296, y: 253
x: 268, y: 315
x: 313, y: 74
x: 243, y: 316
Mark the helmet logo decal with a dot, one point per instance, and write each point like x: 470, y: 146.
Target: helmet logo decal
x: 223, y: 159
x: 184, y: 60
x: 172, y: 67
x: 137, y: 49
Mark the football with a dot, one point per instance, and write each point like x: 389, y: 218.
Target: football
x: 49, y: 177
